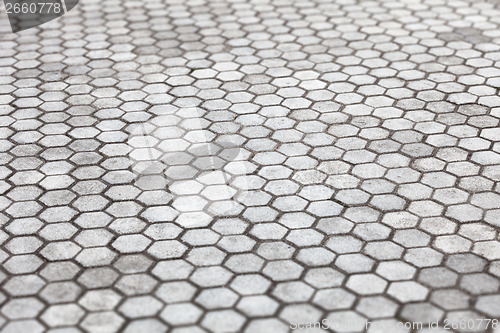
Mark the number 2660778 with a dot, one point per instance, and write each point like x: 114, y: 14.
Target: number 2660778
x: 33, y: 8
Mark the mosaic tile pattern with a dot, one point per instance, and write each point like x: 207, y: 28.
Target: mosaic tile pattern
x: 247, y: 166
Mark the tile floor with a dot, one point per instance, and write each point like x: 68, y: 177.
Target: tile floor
x: 252, y: 166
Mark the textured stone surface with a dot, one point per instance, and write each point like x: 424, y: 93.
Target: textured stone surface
x: 238, y: 166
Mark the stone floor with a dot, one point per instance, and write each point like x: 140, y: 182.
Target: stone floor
x: 256, y: 166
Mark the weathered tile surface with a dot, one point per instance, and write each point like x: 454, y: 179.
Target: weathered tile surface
x: 243, y: 166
